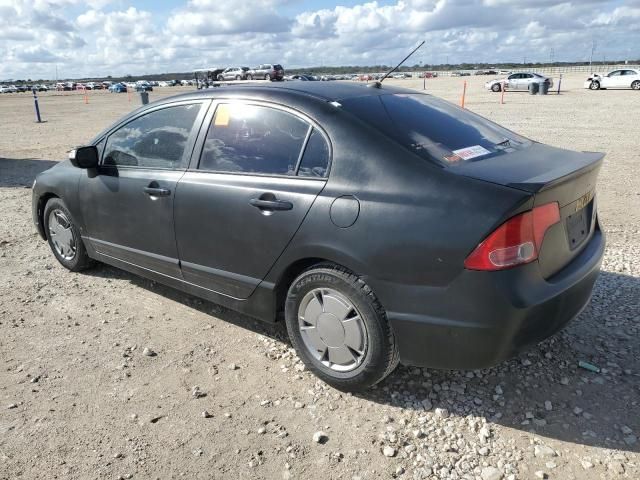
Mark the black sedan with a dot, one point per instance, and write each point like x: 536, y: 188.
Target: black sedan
x: 381, y: 224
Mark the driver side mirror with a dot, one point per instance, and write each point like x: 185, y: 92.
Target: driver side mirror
x: 84, y: 157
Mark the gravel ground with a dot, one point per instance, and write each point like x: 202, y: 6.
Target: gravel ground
x: 107, y: 375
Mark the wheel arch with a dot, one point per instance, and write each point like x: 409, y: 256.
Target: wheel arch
x: 291, y: 272
x: 42, y: 203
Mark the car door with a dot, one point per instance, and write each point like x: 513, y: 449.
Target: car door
x: 259, y: 169
x: 525, y: 80
x: 613, y: 79
x: 127, y: 207
x: 512, y: 81
x: 629, y: 76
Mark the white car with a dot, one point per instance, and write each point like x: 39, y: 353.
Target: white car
x: 622, y: 78
x: 8, y: 89
x: 517, y: 81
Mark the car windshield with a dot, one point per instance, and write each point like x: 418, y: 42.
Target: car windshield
x: 434, y: 129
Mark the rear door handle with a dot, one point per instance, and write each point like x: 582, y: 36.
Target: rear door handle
x: 157, y: 192
x: 271, y: 204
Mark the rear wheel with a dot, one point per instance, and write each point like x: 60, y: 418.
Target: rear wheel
x: 495, y: 87
x: 238, y: 77
x: 339, y: 328
x: 64, y: 237
x: 267, y: 76
x: 595, y: 85
x: 220, y: 78
x: 636, y: 85
x: 249, y: 77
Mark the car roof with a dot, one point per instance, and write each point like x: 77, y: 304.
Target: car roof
x: 327, y: 91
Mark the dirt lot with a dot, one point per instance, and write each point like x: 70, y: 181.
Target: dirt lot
x: 79, y: 399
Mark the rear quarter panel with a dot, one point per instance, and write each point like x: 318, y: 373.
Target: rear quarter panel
x: 417, y: 221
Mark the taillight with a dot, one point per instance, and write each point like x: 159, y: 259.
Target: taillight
x: 517, y: 241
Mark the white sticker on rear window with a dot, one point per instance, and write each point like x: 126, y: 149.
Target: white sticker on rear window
x: 468, y: 153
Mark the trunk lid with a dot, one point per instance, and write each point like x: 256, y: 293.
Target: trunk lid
x: 551, y: 175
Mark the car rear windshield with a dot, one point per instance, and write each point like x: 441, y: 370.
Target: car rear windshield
x: 435, y: 129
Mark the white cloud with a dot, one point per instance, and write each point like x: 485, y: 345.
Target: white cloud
x: 101, y: 37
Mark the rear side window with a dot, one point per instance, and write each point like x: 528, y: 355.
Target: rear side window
x: 315, y: 159
x: 253, y: 139
x: 155, y: 140
x: 435, y: 129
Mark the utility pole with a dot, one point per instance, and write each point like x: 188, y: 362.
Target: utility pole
x: 593, y: 49
x: 552, y: 54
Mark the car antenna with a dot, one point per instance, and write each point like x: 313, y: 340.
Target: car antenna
x: 378, y: 83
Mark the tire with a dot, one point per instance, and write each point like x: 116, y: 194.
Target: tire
x: 635, y: 85
x: 595, y: 85
x: 337, y: 297
x: 220, y: 78
x: 495, y: 87
x: 249, y: 77
x: 64, y: 238
x: 267, y: 76
x: 238, y: 77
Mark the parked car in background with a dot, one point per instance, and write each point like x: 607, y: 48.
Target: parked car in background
x: 22, y: 88
x: 621, y: 78
x: 118, y: 88
x: 485, y: 242
x: 429, y: 74
x: 233, y: 73
x: 143, y: 86
x: 8, y: 89
x: 266, y: 71
x: 302, y: 77
x: 42, y: 88
x: 517, y: 81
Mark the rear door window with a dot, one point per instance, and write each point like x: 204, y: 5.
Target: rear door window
x: 244, y: 138
x: 315, y: 159
x: 435, y: 129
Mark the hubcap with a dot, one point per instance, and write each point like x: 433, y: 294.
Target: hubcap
x: 61, y: 235
x: 332, y: 329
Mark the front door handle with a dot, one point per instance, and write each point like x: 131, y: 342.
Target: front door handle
x: 157, y: 192
x: 271, y: 204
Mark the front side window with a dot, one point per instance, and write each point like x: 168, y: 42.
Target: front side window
x: 246, y: 138
x: 616, y: 73
x: 155, y: 140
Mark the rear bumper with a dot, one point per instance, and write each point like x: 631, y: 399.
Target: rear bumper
x: 483, y: 318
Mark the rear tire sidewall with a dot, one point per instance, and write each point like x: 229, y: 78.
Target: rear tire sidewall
x: 635, y: 85
x: 376, y: 363
x: 81, y: 260
x: 267, y: 77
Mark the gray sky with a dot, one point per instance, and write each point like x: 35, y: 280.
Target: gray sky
x: 103, y: 37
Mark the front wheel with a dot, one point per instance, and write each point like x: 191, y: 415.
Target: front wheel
x: 594, y: 85
x: 636, y: 85
x: 64, y: 237
x: 249, y: 77
x: 495, y: 87
x: 339, y: 329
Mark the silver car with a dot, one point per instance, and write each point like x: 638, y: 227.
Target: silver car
x: 233, y: 73
x: 517, y: 81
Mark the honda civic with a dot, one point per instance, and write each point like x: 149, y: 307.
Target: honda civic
x: 382, y: 225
